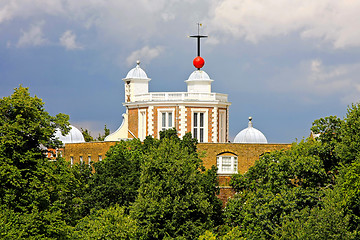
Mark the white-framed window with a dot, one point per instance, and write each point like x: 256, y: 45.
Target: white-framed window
x: 81, y: 159
x: 227, y: 164
x: 100, y: 158
x: 71, y: 160
x: 142, y: 124
x: 222, y: 126
x: 89, y: 160
x: 165, y: 119
x: 199, y: 126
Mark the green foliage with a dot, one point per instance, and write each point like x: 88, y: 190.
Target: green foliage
x: 36, y: 224
x: 88, y: 138
x: 327, y: 221
x: 349, y: 147
x: 116, y: 178
x: 35, y: 193
x: 336, y: 216
x: 308, y: 192
x: 278, y: 184
x: 87, y: 135
x: 232, y: 234
x: 349, y: 187
x: 207, y: 236
x: 176, y: 197
x: 328, y: 129
x: 110, y: 223
x: 106, y: 133
x: 25, y: 172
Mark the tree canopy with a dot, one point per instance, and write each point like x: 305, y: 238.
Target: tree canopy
x: 159, y: 189
x: 176, y: 195
x: 34, y: 198
x: 307, y: 192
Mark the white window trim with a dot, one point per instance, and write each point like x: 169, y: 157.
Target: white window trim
x: 159, y: 118
x: 141, y: 127
x: 234, y: 164
x: 222, y: 137
x: 206, y: 122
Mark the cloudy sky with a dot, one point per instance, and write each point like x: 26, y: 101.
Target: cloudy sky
x: 283, y: 62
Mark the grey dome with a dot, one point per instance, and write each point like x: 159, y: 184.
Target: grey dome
x: 137, y: 72
x: 250, y: 135
x: 74, y: 136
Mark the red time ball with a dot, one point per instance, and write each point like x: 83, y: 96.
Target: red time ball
x: 198, y: 62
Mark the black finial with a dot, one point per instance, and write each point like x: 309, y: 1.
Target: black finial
x: 198, y: 36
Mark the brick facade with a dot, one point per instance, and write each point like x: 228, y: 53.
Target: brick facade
x: 133, y: 122
x: 93, y: 149
x: 247, y: 155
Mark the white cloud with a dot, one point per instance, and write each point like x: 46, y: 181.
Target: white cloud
x: 331, y: 21
x: 145, y: 55
x: 33, y: 36
x: 68, y: 40
x: 121, y: 22
x: 313, y: 80
x: 6, y: 11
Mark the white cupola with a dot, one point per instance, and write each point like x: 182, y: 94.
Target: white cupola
x: 250, y: 135
x: 136, y: 83
x: 199, y: 82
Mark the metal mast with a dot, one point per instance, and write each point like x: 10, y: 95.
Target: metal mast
x: 198, y: 36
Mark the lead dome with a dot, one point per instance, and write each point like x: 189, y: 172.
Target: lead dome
x: 137, y: 72
x: 250, y: 135
x: 74, y: 136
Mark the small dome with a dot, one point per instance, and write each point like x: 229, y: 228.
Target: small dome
x: 199, y: 75
x: 250, y: 135
x: 137, y: 72
x: 74, y: 136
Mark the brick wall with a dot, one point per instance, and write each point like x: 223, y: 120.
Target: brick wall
x: 133, y: 122
x: 93, y: 149
x: 247, y: 155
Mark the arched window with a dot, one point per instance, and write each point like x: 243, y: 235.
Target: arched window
x: 227, y: 163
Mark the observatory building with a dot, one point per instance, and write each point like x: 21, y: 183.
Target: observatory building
x: 199, y: 110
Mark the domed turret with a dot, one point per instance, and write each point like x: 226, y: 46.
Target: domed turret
x: 136, y: 82
x: 199, y: 82
x: 250, y: 135
x: 137, y: 72
x: 74, y: 136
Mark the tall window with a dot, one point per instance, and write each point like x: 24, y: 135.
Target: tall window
x: 227, y: 164
x: 166, y: 120
x: 89, y: 160
x: 142, y: 125
x: 222, y: 126
x: 198, y: 126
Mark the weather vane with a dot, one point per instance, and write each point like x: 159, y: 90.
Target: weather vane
x: 198, y: 61
x: 198, y: 36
